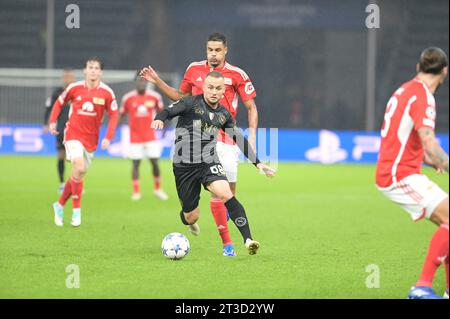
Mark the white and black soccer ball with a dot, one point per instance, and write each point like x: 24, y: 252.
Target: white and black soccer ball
x: 175, y: 246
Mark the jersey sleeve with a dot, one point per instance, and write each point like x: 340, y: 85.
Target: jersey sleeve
x: 423, y: 111
x: 245, y: 87
x: 124, y: 105
x: 63, y: 99
x: 113, y: 114
x: 186, y: 84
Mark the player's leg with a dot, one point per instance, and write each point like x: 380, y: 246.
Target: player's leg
x: 221, y: 189
x: 188, y: 189
x: 228, y: 159
x: 61, y: 159
x: 79, y: 169
x: 135, y: 179
x: 153, y: 152
x: 157, y: 190
x: 136, y: 153
x: 74, y: 184
x: 438, y: 248
x: 422, y: 198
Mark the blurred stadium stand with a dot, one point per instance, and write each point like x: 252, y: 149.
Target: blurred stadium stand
x: 307, y: 59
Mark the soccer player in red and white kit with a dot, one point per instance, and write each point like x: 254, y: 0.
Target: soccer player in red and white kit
x: 141, y: 105
x: 238, y: 84
x: 90, y: 99
x: 408, y: 139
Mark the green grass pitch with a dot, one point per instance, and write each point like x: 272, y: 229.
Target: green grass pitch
x: 319, y: 228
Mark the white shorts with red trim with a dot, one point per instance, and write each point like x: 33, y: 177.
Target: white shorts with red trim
x: 75, y: 149
x: 138, y: 151
x: 416, y: 194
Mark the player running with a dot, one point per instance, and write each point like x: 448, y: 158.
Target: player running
x: 90, y: 98
x: 237, y: 84
x: 195, y: 160
x: 408, y: 138
x: 141, y: 105
x: 68, y: 78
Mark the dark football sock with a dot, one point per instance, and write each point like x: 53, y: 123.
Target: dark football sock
x: 238, y: 216
x: 61, y: 170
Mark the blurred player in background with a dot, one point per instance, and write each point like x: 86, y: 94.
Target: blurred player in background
x: 408, y: 139
x: 90, y: 99
x: 141, y: 106
x: 68, y: 77
x: 237, y: 84
x: 200, y: 119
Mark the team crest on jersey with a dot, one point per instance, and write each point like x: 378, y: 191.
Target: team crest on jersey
x: 211, y: 116
x: 149, y: 103
x: 98, y: 100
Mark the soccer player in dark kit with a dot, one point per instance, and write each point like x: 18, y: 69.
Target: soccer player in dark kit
x: 195, y: 161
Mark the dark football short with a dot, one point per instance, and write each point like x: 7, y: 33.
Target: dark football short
x: 190, y: 177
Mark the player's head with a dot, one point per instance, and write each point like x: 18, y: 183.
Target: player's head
x: 140, y: 83
x: 93, y: 69
x: 433, y: 61
x: 213, y: 87
x: 216, y: 49
x: 68, y: 76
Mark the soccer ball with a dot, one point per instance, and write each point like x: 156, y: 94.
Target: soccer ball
x: 175, y: 246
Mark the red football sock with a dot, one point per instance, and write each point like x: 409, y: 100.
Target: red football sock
x: 77, y: 190
x: 135, y: 186
x: 437, y: 253
x: 219, y: 212
x: 157, y: 182
x: 66, y: 193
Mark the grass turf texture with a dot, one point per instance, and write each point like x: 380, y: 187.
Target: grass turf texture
x: 319, y: 227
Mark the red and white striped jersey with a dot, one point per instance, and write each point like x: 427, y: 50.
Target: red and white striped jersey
x: 141, y: 110
x: 86, y: 113
x: 237, y: 83
x: 410, y: 108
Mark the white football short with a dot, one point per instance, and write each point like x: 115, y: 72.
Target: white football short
x: 416, y: 194
x: 229, y: 158
x: 74, y: 149
x: 139, y: 151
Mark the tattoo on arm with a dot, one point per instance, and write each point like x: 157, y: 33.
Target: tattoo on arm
x: 432, y: 148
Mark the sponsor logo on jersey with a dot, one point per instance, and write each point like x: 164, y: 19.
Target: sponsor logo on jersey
x: 78, y: 98
x: 150, y: 103
x: 87, y: 109
x: 98, y: 100
x: 199, y: 79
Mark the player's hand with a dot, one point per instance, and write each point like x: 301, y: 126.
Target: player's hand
x: 45, y: 129
x: 157, y: 125
x: 52, y: 129
x: 149, y: 74
x: 105, y: 143
x: 269, y: 171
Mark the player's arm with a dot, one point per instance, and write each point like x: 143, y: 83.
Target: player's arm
x: 174, y: 110
x: 252, y: 121
x: 434, y: 154
x: 113, y: 115
x: 241, y: 141
x: 62, y: 100
x: 152, y: 76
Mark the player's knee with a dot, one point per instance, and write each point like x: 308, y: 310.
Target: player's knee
x: 79, y: 168
x: 225, y: 196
